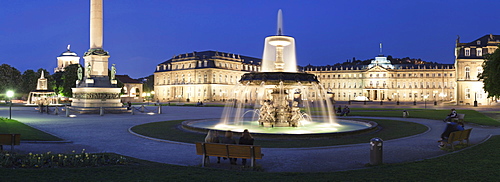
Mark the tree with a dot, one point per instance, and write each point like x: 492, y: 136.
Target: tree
x: 69, y: 78
x: 148, y: 83
x: 29, y: 82
x: 58, y: 82
x: 10, y: 78
x: 491, y: 74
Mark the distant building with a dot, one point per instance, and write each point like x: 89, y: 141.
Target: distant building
x: 209, y: 75
x: 383, y: 81
x: 65, y: 59
x: 201, y: 76
x: 132, y: 89
x: 468, y: 63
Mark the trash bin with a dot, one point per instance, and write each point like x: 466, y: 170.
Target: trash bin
x: 376, y: 151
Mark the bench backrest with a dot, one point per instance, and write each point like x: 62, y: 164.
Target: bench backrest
x: 465, y: 134
x: 459, y: 135
x: 10, y: 139
x: 454, y: 136
x: 229, y: 150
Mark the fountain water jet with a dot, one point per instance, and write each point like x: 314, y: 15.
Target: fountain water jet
x: 283, y: 96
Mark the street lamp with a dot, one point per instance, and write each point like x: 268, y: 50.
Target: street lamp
x: 10, y: 94
x: 475, y: 99
x: 148, y: 97
x: 425, y: 101
x: 414, y: 97
x: 397, y: 103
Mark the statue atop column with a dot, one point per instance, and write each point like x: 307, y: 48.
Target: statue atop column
x: 89, y: 69
x: 79, y: 72
x: 113, y: 71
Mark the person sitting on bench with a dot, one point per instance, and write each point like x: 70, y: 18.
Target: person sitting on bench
x: 453, y: 114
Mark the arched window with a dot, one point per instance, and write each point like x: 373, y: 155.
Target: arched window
x: 467, y: 73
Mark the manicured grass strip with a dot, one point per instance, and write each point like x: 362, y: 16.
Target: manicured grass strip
x: 390, y: 129
x: 471, y: 116
x: 479, y: 163
x: 10, y: 126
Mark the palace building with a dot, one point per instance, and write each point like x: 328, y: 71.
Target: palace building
x: 468, y: 63
x: 201, y: 76
x: 210, y: 76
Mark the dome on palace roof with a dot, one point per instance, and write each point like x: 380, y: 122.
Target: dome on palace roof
x: 68, y: 52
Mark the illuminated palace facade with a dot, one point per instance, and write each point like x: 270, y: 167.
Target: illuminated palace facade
x: 210, y: 76
x: 201, y: 76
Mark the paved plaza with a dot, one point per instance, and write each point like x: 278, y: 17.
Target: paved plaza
x: 110, y: 133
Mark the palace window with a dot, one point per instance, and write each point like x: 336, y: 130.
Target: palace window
x: 467, y: 51
x: 479, y: 52
x: 479, y: 71
x: 467, y: 73
x: 467, y: 93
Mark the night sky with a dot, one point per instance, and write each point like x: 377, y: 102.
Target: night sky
x: 139, y: 34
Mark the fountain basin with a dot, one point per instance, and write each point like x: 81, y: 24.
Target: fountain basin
x: 308, y: 130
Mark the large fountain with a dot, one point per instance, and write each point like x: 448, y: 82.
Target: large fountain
x: 279, y: 99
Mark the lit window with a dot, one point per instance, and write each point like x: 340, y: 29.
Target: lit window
x: 467, y: 51
x: 479, y: 71
x: 467, y: 73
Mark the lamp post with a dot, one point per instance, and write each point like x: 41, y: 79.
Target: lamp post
x: 425, y: 101
x: 414, y: 98
x: 349, y: 98
x: 10, y: 94
x: 397, y: 103
x: 148, y: 97
x: 475, y: 99
x: 152, y: 95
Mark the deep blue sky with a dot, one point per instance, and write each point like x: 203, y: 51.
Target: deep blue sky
x: 139, y: 34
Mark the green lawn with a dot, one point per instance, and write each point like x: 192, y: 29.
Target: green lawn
x: 9, y: 126
x: 478, y: 163
x: 389, y: 129
x: 471, y: 116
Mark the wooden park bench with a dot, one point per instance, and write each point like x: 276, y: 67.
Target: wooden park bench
x: 459, y: 136
x: 251, y: 152
x: 10, y: 139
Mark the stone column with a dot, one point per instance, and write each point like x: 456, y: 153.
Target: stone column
x: 96, y: 24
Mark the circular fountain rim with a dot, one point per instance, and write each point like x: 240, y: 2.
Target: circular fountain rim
x: 372, y: 125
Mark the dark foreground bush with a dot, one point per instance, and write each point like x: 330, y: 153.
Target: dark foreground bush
x: 49, y: 160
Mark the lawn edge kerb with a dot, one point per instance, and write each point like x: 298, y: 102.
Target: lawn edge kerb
x: 390, y: 129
